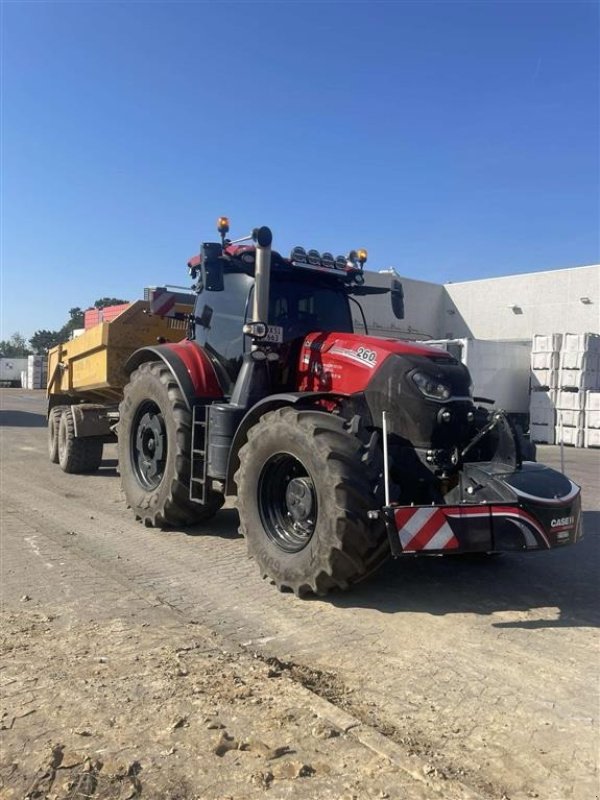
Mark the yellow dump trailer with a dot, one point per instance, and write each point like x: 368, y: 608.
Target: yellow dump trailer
x: 86, y: 376
x: 92, y: 365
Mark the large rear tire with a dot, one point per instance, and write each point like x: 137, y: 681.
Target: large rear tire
x: 76, y: 455
x: 155, y: 443
x: 306, y: 482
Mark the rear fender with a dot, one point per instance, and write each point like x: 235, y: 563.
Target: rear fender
x: 190, y: 366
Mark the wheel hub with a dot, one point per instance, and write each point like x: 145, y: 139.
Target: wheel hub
x: 287, y: 502
x: 300, y: 499
x: 149, y: 446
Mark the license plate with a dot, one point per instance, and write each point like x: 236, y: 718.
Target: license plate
x: 274, y: 334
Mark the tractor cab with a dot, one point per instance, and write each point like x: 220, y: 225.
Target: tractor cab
x: 308, y: 292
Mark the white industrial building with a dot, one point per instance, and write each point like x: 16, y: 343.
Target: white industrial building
x: 511, y: 307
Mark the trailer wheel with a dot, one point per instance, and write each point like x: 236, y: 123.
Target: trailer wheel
x: 155, y: 442
x: 75, y: 455
x: 306, y: 483
x: 54, y: 416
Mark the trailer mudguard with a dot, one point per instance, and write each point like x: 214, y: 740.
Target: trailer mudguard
x: 191, y: 368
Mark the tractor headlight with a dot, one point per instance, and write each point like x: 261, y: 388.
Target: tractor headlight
x: 431, y: 387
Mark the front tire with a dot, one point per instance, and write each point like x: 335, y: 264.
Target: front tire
x: 155, y: 443
x: 306, y: 483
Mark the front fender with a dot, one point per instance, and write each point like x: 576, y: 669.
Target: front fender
x: 190, y: 366
x: 268, y: 404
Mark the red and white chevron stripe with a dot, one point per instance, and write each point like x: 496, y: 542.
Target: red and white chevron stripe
x: 424, y: 529
x: 161, y: 301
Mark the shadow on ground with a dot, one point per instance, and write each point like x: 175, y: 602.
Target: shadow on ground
x: 566, y: 579
x: 22, y: 419
x: 224, y: 525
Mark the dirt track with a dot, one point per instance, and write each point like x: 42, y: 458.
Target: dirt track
x: 131, y: 645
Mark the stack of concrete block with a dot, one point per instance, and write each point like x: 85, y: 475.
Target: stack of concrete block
x: 578, y: 374
x: 37, y: 372
x: 591, y: 432
x: 545, y: 366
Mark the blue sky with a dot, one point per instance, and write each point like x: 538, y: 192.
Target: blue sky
x: 454, y: 140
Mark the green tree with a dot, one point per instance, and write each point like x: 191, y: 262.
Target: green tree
x: 76, y: 320
x: 109, y: 301
x: 42, y: 341
x: 15, y: 347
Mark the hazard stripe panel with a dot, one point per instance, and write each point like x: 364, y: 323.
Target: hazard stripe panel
x: 424, y: 529
x: 162, y: 301
x: 433, y: 527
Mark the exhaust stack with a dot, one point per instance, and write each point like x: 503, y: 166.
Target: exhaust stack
x: 262, y: 274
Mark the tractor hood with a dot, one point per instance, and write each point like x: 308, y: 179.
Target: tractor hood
x: 347, y: 362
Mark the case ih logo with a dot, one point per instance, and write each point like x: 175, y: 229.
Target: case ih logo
x: 562, y: 523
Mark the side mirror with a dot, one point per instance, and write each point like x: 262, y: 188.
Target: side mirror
x: 397, y: 299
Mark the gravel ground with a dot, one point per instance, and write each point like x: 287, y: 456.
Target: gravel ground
x: 123, y: 646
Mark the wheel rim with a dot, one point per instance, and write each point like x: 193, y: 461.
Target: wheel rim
x: 287, y: 502
x: 149, y: 445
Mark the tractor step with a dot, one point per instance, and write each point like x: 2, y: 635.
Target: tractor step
x: 198, y: 482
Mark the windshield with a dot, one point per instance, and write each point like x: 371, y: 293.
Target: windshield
x: 299, y: 307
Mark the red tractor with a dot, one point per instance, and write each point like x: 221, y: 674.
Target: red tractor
x: 342, y: 448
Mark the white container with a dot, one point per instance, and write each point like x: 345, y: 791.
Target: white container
x: 549, y: 359
x: 579, y: 379
x: 542, y: 416
x: 10, y: 370
x: 579, y: 359
x: 542, y: 434
x: 543, y: 400
x: 573, y: 400
x: 544, y: 378
x: 592, y: 418
x: 574, y: 359
x: 570, y: 418
x: 570, y: 436
x: 592, y: 437
x: 581, y: 342
x: 542, y: 343
x: 592, y: 400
